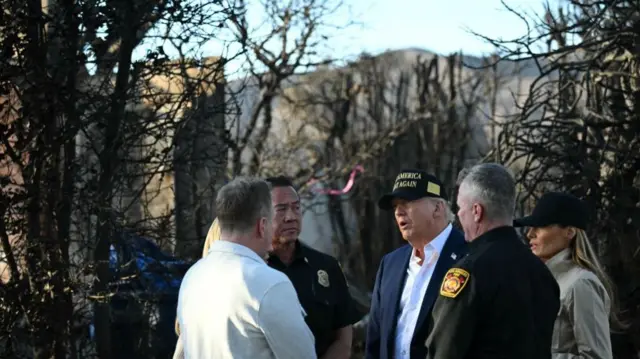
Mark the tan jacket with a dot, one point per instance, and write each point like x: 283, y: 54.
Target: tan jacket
x: 581, y: 330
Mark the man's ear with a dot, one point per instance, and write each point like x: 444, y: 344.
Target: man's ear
x: 436, y: 210
x: 260, y: 227
x: 478, y: 212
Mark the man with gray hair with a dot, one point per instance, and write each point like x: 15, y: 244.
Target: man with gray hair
x: 409, y: 278
x: 500, y: 301
x: 231, y: 304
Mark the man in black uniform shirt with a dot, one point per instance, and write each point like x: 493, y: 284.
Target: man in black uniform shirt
x: 500, y: 301
x: 317, y: 277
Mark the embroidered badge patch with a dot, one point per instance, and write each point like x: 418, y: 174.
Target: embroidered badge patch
x: 454, y: 281
x: 323, y: 278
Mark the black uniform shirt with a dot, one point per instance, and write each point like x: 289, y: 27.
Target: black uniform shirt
x: 500, y: 301
x: 322, y: 291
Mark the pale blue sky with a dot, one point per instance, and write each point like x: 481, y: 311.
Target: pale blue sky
x: 436, y: 25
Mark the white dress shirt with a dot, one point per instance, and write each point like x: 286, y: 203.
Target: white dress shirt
x: 233, y: 305
x: 415, y: 287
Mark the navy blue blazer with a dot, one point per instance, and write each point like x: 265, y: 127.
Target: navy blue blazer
x: 385, y: 300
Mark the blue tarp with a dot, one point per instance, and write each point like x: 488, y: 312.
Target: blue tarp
x: 145, y: 285
x: 137, y: 263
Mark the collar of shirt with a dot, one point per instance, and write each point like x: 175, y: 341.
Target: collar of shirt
x: 435, y: 246
x: 558, y: 261
x: 299, y: 252
x: 507, y: 233
x: 222, y: 246
x: 300, y: 255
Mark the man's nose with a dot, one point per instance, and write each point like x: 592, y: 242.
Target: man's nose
x: 289, y: 215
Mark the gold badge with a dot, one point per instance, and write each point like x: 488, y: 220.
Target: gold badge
x: 323, y: 278
x: 454, y: 282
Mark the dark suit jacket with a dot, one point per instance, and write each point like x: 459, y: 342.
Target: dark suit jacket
x: 385, y: 301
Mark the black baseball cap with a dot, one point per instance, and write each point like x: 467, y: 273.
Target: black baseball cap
x: 412, y: 185
x: 557, y: 208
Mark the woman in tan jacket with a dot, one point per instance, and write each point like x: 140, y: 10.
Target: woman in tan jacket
x: 557, y: 236
x: 212, y: 235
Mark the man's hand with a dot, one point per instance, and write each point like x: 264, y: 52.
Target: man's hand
x: 341, y: 347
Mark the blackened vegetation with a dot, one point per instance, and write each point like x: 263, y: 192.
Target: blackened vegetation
x: 98, y: 139
x: 579, y: 130
x: 83, y: 127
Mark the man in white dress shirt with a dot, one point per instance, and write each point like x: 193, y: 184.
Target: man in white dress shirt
x: 231, y: 304
x: 409, y: 278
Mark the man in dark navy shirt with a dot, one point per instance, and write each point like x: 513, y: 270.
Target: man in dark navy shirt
x: 317, y: 277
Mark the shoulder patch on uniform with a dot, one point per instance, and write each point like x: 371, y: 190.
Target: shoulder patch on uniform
x: 454, y: 282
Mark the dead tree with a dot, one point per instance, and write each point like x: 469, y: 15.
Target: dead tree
x: 289, y: 41
x: 77, y: 116
x: 578, y: 129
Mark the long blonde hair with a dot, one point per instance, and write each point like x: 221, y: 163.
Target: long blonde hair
x: 212, y: 236
x: 583, y: 254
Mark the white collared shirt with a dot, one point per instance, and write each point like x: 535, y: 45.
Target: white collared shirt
x: 233, y: 305
x: 415, y: 287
